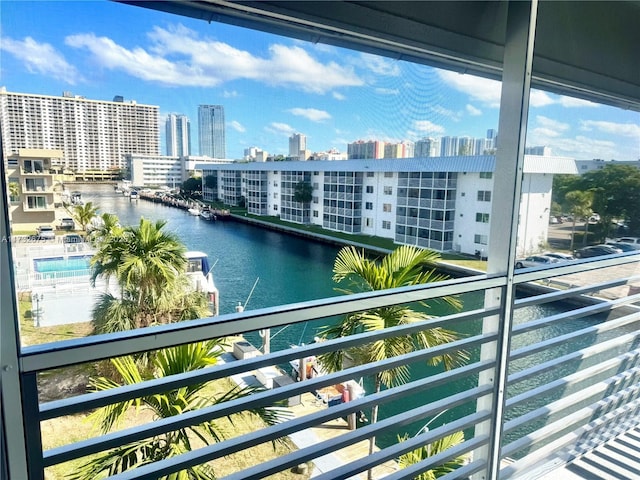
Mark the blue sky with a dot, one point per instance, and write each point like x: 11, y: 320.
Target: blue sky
x: 274, y: 86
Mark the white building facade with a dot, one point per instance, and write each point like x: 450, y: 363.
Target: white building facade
x: 92, y: 134
x: 438, y: 203
x: 152, y: 171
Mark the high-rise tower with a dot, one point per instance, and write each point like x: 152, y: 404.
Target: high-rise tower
x: 297, y: 145
x: 178, y: 130
x: 211, y: 131
x: 93, y: 134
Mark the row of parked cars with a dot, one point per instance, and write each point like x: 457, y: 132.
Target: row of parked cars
x: 620, y: 245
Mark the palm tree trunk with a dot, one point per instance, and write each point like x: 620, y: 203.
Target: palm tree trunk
x: 573, y: 234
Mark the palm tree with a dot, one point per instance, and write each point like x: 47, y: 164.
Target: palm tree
x: 580, y: 204
x: 170, y: 361
x: 107, y: 229
x: 420, y: 454
x: 148, y: 264
x: 14, y: 190
x: 403, y: 267
x: 85, y: 213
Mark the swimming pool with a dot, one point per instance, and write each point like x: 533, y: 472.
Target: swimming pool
x: 62, y: 264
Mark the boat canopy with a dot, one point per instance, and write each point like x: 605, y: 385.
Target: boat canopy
x: 198, y: 261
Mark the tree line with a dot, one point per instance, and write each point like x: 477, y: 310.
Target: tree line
x: 612, y: 192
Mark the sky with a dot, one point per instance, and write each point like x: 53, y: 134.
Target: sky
x: 273, y: 86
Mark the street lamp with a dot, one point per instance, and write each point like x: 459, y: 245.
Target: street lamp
x: 37, y: 297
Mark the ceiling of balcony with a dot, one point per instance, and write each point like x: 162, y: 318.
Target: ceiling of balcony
x: 587, y: 49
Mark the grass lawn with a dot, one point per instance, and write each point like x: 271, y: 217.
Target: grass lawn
x: 69, y: 381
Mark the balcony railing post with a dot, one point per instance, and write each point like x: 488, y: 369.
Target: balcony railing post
x: 33, y: 436
x: 514, y: 108
x: 13, y: 444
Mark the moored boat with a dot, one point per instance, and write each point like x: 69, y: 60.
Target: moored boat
x: 201, y: 277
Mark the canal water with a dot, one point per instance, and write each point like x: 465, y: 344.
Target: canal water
x: 286, y: 269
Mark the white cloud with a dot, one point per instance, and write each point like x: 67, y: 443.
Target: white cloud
x: 380, y: 65
x: 488, y: 92
x: 584, y: 147
x: 552, y: 124
x: 338, y: 96
x: 538, y: 98
x: 612, y: 128
x: 473, y: 111
x: 541, y: 135
x: 425, y: 126
x: 280, y: 128
x: 570, y: 102
x: 387, y: 91
x: 41, y: 58
x: 445, y: 112
x: 312, y: 114
x: 479, y: 89
x: 230, y: 94
x: 237, y: 126
x: 177, y: 56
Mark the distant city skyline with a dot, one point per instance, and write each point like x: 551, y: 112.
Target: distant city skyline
x: 272, y: 87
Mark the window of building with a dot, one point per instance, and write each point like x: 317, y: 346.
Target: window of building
x: 482, y: 217
x: 386, y: 225
x: 370, y: 174
x: 368, y: 222
x: 484, y: 196
x: 369, y: 189
x: 33, y: 166
x: 388, y: 174
x: 36, y: 202
x: 368, y: 206
x: 388, y: 190
x: 315, y: 185
x: 315, y: 199
x: 275, y: 194
x: 480, y: 239
x: 486, y: 175
x: 315, y: 213
x: 386, y: 207
x: 275, y: 207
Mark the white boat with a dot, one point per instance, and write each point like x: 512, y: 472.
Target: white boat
x: 207, y: 214
x: 134, y: 195
x: 194, y: 211
x: 201, y: 278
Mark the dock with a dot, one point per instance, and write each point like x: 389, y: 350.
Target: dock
x: 306, y: 404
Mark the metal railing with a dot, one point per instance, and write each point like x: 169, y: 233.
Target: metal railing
x: 573, y: 373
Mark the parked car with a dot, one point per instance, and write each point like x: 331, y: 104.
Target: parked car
x: 596, y: 251
x: 535, y: 261
x: 625, y: 247
x: 633, y: 240
x: 562, y: 257
x: 67, y: 224
x: 72, y: 238
x: 45, y: 232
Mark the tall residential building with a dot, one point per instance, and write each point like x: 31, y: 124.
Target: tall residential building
x: 362, y: 149
x: 403, y: 149
x: 178, y: 135
x: 92, y: 134
x: 298, y: 146
x: 427, y: 147
x: 449, y: 146
x: 211, y: 131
